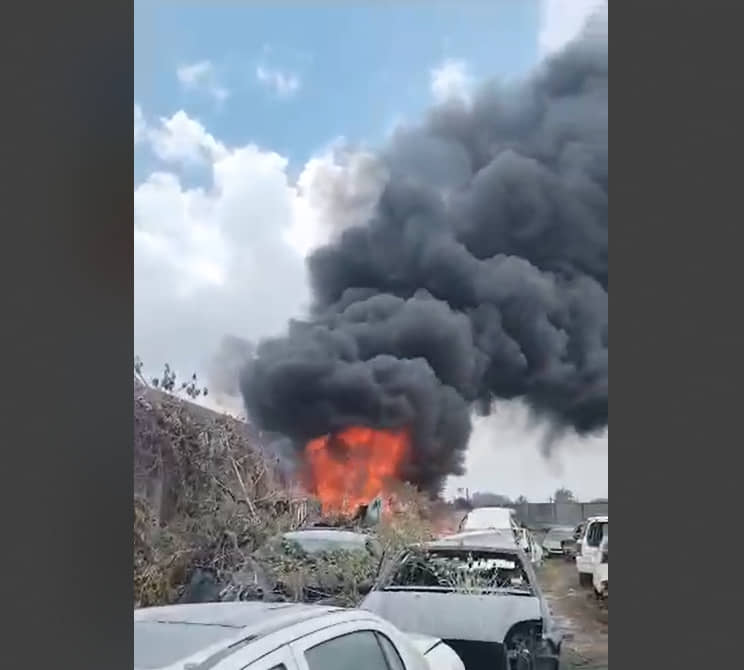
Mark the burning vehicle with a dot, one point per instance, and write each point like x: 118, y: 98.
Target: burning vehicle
x: 478, y: 593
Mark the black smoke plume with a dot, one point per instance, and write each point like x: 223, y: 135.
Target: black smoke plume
x: 482, y: 274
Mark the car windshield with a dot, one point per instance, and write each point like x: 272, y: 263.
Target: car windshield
x: 487, y: 517
x: 460, y: 570
x: 315, y: 541
x: 160, y: 644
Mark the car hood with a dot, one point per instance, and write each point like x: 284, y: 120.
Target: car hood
x: 454, y: 616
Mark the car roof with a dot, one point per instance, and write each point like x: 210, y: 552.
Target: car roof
x: 492, y: 507
x: 490, y: 513
x: 245, y: 617
x: 598, y: 518
x: 502, y: 540
x: 247, y: 623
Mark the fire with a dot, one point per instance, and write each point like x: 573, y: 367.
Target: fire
x: 351, y: 467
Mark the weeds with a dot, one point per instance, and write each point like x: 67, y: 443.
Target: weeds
x: 209, y: 502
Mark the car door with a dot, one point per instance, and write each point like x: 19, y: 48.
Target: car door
x: 527, y: 543
x: 351, y: 647
x: 592, y: 542
x: 583, y: 563
x: 537, y: 550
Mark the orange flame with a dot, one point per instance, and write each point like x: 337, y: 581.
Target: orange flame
x: 353, y: 466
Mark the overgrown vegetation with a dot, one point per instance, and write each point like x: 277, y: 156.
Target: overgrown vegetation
x: 205, y: 497
x: 210, y: 507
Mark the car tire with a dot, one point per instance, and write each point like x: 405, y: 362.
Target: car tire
x: 585, y: 579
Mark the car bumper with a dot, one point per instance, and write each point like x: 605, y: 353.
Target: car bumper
x: 601, y: 579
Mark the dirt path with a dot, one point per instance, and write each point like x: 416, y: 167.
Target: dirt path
x: 583, y: 620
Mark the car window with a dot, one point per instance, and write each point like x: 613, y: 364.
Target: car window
x: 459, y: 569
x: 359, y: 650
x: 317, y: 541
x: 391, y: 653
x: 596, y: 533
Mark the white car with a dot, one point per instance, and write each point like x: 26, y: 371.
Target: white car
x: 489, y: 518
x: 476, y: 591
x: 499, y: 519
x: 554, y: 539
x: 601, y: 574
x: 595, y: 528
x: 279, y: 636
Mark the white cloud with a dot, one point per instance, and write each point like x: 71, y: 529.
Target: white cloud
x: 181, y: 139
x: 284, y: 84
x: 202, y: 77
x: 140, y: 126
x: 192, y: 75
x: 451, y: 80
x: 212, y: 260
x: 563, y: 20
x: 337, y: 189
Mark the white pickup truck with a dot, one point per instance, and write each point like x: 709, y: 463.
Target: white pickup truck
x: 279, y: 636
x: 588, y: 547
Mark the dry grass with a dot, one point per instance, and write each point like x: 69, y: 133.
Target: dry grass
x: 207, y: 499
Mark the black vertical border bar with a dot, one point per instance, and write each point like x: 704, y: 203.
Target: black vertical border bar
x: 67, y: 266
x: 676, y: 276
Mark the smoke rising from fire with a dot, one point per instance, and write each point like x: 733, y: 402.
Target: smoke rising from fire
x: 482, y: 274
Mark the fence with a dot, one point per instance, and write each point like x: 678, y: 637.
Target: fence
x: 539, y: 515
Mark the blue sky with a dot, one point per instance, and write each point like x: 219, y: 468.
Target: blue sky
x: 236, y: 108
x: 358, y: 69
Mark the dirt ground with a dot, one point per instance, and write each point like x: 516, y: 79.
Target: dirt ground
x: 584, y: 621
